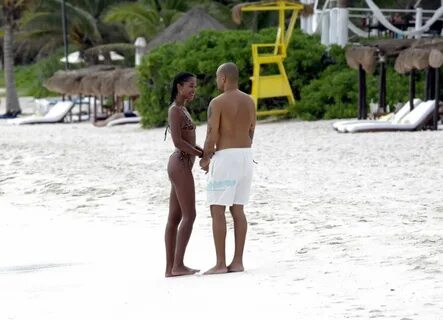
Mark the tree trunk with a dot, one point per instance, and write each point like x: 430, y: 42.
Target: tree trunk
x: 12, y: 104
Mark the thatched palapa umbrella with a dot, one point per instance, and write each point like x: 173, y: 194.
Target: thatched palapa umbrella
x: 435, y: 58
x: 54, y: 83
x: 364, y: 56
x: 412, y: 55
x: 191, y: 23
x: 126, y: 84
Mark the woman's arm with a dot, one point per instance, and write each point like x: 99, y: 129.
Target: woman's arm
x: 175, y: 123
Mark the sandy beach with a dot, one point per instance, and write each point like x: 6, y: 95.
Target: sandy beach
x: 341, y: 226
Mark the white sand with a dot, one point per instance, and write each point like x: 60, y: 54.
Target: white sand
x: 341, y: 226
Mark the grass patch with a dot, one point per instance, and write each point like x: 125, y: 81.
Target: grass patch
x: 29, y: 78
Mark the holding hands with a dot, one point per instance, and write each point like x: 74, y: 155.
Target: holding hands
x: 204, y: 164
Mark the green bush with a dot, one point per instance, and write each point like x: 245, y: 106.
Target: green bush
x: 335, y: 93
x: 203, y: 53
x: 323, y: 85
x: 29, y: 78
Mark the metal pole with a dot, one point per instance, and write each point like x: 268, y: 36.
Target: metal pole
x: 411, y: 89
x: 362, y: 113
x: 382, y: 86
x: 437, y: 98
x: 80, y: 109
x: 65, y: 35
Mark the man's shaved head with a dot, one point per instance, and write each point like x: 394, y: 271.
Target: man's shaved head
x: 229, y: 70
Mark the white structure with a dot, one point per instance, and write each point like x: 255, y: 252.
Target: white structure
x: 140, y: 45
x: 333, y: 23
x: 307, y: 23
x: 418, y: 21
x: 324, y: 28
x: 342, y: 26
x: 75, y: 57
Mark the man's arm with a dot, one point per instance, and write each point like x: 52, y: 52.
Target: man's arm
x: 212, y: 130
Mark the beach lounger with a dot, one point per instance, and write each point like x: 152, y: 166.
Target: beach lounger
x: 57, y: 114
x: 395, y: 118
x: 414, y: 120
x: 125, y: 120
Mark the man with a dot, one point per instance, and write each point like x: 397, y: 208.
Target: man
x: 231, y: 125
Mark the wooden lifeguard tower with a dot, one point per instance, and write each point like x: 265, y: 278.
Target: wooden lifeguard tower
x: 276, y: 85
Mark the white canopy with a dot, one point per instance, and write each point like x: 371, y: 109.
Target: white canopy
x: 74, y: 57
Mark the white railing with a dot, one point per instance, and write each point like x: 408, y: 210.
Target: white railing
x: 333, y: 23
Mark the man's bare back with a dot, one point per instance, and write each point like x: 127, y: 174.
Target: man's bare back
x: 237, y: 119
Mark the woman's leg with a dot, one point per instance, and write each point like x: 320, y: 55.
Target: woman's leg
x: 185, y: 191
x: 171, y: 231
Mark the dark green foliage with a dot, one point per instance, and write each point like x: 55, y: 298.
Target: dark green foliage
x: 323, y: 85
x: 201, y: 55
x: 29, y: 78
x: 335, y: 93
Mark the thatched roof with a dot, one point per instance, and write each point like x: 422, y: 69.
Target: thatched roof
x: 106, y: 82
x: 191, y: 23
x: 366, y: 56
x: 96, y: 81
x: 126, y: 84
x: 412, y: 54
x: 54, y: 83
x: 88, y: 84
x: 435, y: 58
x: 413, y: 58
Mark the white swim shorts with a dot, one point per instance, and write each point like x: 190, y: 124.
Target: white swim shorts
x: 230, y: 177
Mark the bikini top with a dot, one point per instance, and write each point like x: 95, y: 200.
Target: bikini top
x: 187, y: 125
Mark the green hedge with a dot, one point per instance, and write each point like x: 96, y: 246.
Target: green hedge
x: 335, y: 93
x: 203, y: 53
x: 29, y: 78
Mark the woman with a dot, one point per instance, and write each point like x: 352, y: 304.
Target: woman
x: 182, y: 199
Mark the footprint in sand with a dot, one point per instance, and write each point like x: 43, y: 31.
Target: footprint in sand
x: 6, y: 179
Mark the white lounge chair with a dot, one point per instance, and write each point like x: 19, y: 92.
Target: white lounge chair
x: 125, y: 120
x: 414, y: 120
x: 396, y: 117
x: 57, y: 114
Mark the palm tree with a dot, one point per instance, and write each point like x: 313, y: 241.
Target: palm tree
x: 146, y: 18
x: 11, y: 10
x: 86, y: 29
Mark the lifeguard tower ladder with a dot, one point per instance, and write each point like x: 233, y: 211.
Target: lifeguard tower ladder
x: 277, y: 85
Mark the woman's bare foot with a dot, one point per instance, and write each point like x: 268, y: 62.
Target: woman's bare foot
x: 236, y: 267
x: 216, y: 270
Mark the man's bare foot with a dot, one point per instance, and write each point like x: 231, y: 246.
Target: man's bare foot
x: 236, y: 267
x: 216, y: 270
x: 191, y: 269
x: 183, y: 271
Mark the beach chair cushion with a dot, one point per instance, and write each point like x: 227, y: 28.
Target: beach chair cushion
x: 412, y: 121
x: 125, y: 120
x: 395, y: 118
x: 56, y: 114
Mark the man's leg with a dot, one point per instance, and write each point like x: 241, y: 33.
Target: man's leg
x: 219, y: 233
x: 240, y: 229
